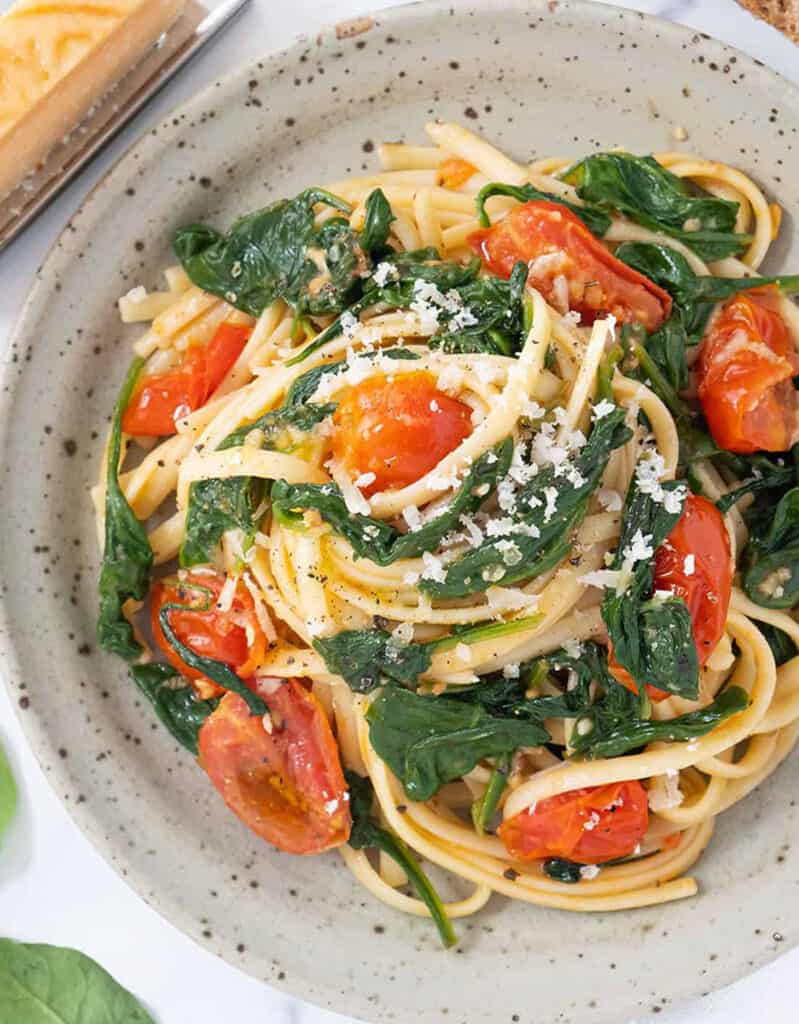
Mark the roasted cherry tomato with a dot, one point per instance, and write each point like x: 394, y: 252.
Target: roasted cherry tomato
x: 280, y: 775
x: 745, y: 369
x: 234, y: 637
x: 454, y: 172
x: 587, y: 826
x: 694, y: 562
x: 398, y: 428
x: 164, y: 398
x: 569, y: 266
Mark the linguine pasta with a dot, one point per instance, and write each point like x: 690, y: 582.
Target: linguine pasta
x: 545, y: 399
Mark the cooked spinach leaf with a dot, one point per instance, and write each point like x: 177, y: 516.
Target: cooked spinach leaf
x: 8, y: 793
x: 611, y: 720
x: 377, y: 223
x: 771, y: 558
x: 282, y: 426
x: 180, y: 711
x: 429, y: 741
x: 214, y: 507
x: 651, y: 195
x: 782, y: 646
x: 378, y: 540
x: 548, y: 509
x: 423, y: 265
x: 695, y: 295
x: 217, y: 671
x: 42, y: 984
x: 652, y: 636
x: 595, y: 219
x: 368, y: 658
x: 127, y: 556
x: 340, y: 264
x: 498, y: 316
x: 485, y: 807
x: 561, y: 870
x: 768, y: 476
x: 366, y: 834
x: 268, y: 255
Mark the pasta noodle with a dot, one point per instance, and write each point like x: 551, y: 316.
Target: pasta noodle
x: 302, y: 576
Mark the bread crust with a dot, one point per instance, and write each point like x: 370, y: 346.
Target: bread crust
x: 782, y: 14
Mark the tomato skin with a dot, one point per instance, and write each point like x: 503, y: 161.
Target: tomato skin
x: 211, y: 633
x: 454, y: 172
x: 617, y: 816
x: 745, y: 366
x: 700, y: 531
x: 162, y: 399
x: 597, y: 282
x: 398, y: 428
x: 287, y: 786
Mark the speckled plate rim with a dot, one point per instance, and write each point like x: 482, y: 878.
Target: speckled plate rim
x: 84, y: 815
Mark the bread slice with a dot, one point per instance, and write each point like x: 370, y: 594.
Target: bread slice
x: 782, y: 14
x: 57, y: 59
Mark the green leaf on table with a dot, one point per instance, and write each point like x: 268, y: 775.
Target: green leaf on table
x: 649, y: 194
x: 42, y: 984
x: 8, y: 793
x: 127, y: 556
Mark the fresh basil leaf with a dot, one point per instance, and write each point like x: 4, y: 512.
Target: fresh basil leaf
x: 367, y: 835
x: 217, y: 671
x: 595, y: 219
x: 550, y: 535
x: 377, y: 223
x: 8, y: 793
x: 429, y: 741
x: 378, y: 540
x: 127, y: 556
x: 178, y: 708
x: 651, y: 195
x: 652, y: 636
x: 42, y: 984
x: 264, y: 256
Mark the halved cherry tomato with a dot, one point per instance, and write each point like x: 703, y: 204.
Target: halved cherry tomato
x: 164, y: 398
x: 587, y: 826
x: 234, y: 637
x: 569, y: 266
x: 454, y: 172
x: 694, y: 562
x: 745, y: 368
x: 285, y: 784
x: 398, y: 428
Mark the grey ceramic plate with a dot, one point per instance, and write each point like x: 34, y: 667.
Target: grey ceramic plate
x: 538, y: 78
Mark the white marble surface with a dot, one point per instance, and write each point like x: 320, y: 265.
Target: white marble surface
x: 53, y: 885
